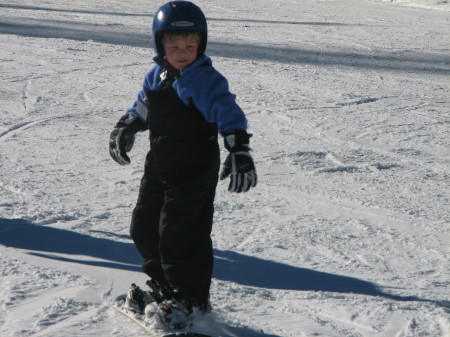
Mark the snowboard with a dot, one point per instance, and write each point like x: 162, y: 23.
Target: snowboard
x: 137, y: 318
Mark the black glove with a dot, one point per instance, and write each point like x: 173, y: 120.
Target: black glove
x: 239, y: 163
x: 122, y: 137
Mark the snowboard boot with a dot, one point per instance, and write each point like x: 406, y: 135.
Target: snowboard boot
x: 156, y: 291
x: 159, y: 295
x: 174, y: 313
x: 137, y: 299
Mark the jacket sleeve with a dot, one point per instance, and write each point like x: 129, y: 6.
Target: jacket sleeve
x: 140, y: 106
x: 209, y: 91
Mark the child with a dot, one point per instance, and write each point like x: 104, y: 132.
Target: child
x: 184, y: 103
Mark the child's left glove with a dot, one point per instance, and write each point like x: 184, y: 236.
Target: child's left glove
x: 239, y: 164
x: 121, y: 139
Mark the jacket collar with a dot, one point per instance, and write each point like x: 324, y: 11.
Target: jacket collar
x: 161, y: 61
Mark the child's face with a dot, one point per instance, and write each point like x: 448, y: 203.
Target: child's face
x: 181, y: 51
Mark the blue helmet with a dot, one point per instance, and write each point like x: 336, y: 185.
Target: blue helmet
x: 179, y: 16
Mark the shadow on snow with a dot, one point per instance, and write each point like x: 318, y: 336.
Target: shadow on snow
x: 47, y: 242
x: 115, y: 34
x: 255, y: 272
x: 97, y: 12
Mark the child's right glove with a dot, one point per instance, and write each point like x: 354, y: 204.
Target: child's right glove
x: 122, y: 137
x: 239, y: 163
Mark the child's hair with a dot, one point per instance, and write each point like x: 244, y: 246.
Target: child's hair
x: 169, y: 35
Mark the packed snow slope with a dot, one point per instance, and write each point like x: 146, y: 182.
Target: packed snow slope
x: 347, y: 232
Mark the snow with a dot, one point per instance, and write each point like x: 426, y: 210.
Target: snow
x: 346, y: 233
x: 426, y: 4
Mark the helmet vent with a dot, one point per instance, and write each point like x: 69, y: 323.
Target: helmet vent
x: 182, y: 24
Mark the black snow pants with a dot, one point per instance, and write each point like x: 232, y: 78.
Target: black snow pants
x: 172, y: 221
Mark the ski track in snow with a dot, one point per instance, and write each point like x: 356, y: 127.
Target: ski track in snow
x: 345, y: 235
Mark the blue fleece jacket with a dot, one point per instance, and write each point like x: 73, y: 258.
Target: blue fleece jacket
x: 202, y: 85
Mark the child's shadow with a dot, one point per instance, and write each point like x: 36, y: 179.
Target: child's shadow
x: 50, y: 242
x: 255, y: 272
